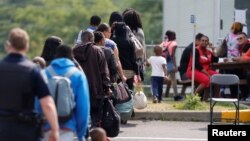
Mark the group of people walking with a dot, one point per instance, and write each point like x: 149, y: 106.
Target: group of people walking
x: 103, y: 54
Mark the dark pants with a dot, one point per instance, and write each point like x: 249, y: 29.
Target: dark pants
x: 243, y: 88
x: 184, y: 77
x: 96, y: 112
x: 11, y: 130
x: 157, y: 86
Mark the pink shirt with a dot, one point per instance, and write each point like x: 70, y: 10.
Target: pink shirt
x: 170, y: 45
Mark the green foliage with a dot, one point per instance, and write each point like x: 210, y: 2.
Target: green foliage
x: 64, y: 18
x: 151, y: 13
x: 192, y: 102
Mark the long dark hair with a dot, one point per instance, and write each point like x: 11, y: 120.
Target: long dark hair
x: 115, y: 17
x: 121, y: 30
x: 132, y: 19
x: 170, y: 35
x: 49, y: 49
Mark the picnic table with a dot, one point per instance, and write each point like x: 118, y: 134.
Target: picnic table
x: 231, y: 66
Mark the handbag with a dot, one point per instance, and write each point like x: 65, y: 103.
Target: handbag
x: 139, y: 99
x: 121, y: 92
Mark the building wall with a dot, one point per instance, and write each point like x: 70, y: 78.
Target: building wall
x: 208, y: 14
x: 177, y: 17
x: 213, y: 18
x: 244, y: 4
x: 226, y: 16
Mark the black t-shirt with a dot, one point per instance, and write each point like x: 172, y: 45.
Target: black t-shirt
x: 39, y: 86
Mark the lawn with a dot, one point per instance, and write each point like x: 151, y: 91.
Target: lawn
x: 168, y: 104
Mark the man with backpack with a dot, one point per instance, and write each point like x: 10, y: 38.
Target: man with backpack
x: 70, y: 90
x: 20, y: 83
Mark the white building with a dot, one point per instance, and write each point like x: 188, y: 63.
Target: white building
x: 213, y: 18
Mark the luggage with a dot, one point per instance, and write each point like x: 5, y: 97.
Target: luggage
x: 110, y: 118
x: 125, y: 108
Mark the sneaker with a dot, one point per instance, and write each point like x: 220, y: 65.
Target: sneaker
x: 178, y: 98
x: 155, y: 100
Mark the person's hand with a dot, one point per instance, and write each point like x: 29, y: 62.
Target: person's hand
x: 137, y: 79
x: 166, y: 79
x: 54, y: 135
x: 210, y: 46
x: 108, y: 92
x: 236, y: 59
x: 225, y: 60
x: 124, y: 78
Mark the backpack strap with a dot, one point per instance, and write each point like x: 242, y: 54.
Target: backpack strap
x: 70, y: 72
x: 51, y: 71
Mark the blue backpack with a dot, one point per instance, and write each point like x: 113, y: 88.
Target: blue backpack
x: 62, y: 93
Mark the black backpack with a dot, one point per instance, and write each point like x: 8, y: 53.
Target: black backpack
x: 110, y: 118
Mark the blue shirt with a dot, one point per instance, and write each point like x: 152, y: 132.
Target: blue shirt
x: 79, y: 121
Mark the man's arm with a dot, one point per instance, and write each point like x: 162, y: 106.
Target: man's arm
x: 104, y: 72
x: 49, y: 110
x: 119, y: 65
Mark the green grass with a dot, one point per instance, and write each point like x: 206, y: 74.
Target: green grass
x: 192, y: 102
x: 168, y: 104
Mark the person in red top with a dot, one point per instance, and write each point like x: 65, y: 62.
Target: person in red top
x: 202, y: 73
x: 244, y: 46
x: 245, y: 57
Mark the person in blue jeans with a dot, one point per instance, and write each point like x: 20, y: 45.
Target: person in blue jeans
x: 159, y: 72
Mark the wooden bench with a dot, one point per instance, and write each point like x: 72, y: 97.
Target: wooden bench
x: 243, y: 81
x: 187, y: 83
x: 183, y: 83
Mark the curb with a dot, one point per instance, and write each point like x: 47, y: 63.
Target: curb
x: 244, y: 115
x: 175, y: 116
x: 202, y: 116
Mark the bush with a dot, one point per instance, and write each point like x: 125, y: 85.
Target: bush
x: 192, y: 102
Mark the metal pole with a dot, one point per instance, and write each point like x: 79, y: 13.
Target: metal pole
x: 193, y: 60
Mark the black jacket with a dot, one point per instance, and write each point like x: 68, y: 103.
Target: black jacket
x: 93, y: 62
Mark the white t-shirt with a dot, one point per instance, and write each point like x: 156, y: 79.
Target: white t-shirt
x: 156, y: 64
x: 79, y: 40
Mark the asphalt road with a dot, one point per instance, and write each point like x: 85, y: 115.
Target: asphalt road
x: 162, y: 131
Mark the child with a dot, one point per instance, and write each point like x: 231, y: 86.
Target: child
x: 159, y: 72
x: 98, y: 134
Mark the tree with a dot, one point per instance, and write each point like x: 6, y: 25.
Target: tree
x: 44, y: 18
x: 151, y: 14
x: 64, y: 18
